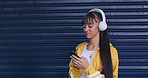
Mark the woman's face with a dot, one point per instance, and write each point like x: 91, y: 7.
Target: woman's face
x: 91, y: 30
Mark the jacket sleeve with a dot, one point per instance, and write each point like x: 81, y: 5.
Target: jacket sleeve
x: 73, y: 71
x: 115, y: 62
x: 91, y: 72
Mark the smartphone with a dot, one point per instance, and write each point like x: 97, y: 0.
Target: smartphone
x: 70, y: 53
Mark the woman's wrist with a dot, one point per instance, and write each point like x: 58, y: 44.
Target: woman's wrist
x: 88, y: 68
x: 85, y: 67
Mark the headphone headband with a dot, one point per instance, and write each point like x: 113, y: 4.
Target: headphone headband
x: 99, y: 11
x: 102, y: 25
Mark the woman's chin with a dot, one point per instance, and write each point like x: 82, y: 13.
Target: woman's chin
x: 88, y: 37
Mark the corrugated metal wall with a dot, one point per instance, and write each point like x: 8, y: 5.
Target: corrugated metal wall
x: 35, y: 35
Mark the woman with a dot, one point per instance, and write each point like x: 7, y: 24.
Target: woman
x: 99, y: 59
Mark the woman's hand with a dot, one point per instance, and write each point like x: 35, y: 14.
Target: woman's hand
x: 80, y: 62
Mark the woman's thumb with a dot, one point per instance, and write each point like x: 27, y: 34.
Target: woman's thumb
x: 83, y: 57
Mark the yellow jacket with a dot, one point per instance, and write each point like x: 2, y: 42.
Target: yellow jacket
x: 94, y: 69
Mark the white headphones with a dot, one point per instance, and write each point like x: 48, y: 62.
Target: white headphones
x: 102, y: 25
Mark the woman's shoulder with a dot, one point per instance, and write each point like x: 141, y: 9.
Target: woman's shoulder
x: 113, y: 50
x: 112, y: 46
x: 81, y: 45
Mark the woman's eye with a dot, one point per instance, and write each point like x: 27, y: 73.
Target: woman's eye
x: 90, y: 26
x: 84, y: 26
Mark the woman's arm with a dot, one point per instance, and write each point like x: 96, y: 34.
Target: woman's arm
x: 115, y: 62
x: 73, y: 71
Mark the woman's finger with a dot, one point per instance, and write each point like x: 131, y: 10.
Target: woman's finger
x: 75, y: 61
x: 76, y: 65
x: 76, y: 57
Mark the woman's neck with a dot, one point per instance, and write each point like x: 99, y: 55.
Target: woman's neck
x: 93, y: 43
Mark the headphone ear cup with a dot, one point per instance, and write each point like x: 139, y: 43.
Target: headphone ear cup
x: 102, y: 26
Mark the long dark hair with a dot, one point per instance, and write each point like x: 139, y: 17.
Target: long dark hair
x: 104, y: 44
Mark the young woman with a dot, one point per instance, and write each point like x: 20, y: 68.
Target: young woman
x: 99, y: 59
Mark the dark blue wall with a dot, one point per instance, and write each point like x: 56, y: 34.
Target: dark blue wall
x: 35, y: 35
